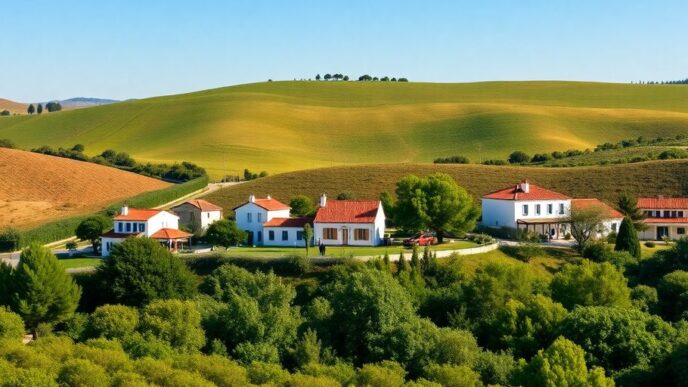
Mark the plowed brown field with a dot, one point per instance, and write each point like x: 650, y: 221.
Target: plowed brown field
x: 35, y: 187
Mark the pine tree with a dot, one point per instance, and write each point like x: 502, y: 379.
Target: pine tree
x: 627, y: 240
x: 425, y: 261
x: 628, y: 205
x: 385, y: 259
x: 43, y: 291
x: 39, y: 109
x: 31, y: 109
x: 415, y: 260
x: 402, y: 265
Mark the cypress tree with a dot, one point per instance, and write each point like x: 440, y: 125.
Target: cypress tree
x: 402, y: 265
x: 425, y: 261
x: 385, y: 259
x: 415, y: 260
x: 42, y: 291
x: 627, y: 240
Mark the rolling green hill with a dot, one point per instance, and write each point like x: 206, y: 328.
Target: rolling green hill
x: 286, y: 126
x: 668, y: 178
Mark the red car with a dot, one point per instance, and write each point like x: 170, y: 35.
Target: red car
x: 425, y: 239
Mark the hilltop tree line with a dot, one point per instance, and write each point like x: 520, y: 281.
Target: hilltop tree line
x: 362, y: 78
x: 38, y: 109
x: 675, y: 82
x: 178, y: 172
x: 523, y: 158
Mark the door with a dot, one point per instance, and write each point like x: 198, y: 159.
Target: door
x: 250, y: 238
x: 662, y: 231
x: 345, y: 236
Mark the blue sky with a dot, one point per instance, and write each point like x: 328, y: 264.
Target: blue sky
x: 134, y: 49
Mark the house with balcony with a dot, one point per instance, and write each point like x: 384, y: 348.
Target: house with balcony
x: 135, y: 223
x: 665, y: 217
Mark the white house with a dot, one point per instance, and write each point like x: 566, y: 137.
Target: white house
x: 337, y: 222
x: 530, y: 207
x: 664, y: 217
x: 197, y: 214
x: 349, y: 222
x: 251, y: 216
x: 155, y: 224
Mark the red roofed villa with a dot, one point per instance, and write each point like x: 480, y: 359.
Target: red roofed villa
x: 530, y: 207
x: 665, y: 217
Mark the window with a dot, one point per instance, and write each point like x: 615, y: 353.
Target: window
x: 271, y: 235
x: 613, y: 227
x: 537, y: 209
x: 128, y: 227
x: 667, y: 214
x: 142, y: 227
x: 285, y: 235
x: 680, y: 214
x: 260, y: 236
x: 681, y: 231
x: 673, y: 214
x: 550, y: 209
x: 249, y: 217
x: 525, y: 210
x: 120, y: 227
x: 259, y: 217
x: 361, y: 234
x: 299, y: 235
x: 561, y: 208
x: 135, y: 226
x: 658, y: 214
x: 207, y: 215
x: 330, y: 233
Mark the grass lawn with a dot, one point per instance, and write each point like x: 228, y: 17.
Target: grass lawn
x: 73, y: 263
x: 646, y: 252
x: 547, y: 264
x: 337, y: 251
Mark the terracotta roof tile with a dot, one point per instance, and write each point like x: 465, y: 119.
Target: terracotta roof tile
x: 534, y: 193
x: 268, y: 204
x: 665, y: 220
x: 288, y: 222
x: 203, y: 205
x: 348, y: 211
x: 170, y: 233
x: 610, y: 212
x: 663, y: 203
x: 138, y: 214
x: 113, y: 234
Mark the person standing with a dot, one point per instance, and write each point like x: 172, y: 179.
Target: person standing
x: 321, y: 247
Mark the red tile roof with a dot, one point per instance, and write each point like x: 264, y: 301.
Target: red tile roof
x: 268, y: 204
x: 663, y: 203
x: 203, y: 205
x: 113, y: 234
x: 138, y: 214
x: 665, y: 220
x: 610, y: 212
x: 348, y: 211
x: 170, y: 233
x: 534, y: 193
x: 288, y: 222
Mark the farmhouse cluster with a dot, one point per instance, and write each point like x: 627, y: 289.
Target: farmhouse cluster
x: 268, y: 222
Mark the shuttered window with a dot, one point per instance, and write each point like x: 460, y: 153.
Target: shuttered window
x: 361, y: 234
x: 330, y: 233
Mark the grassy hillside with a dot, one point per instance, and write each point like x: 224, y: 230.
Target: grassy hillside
x: 13, y: 107
x: 669, y: 178
x: 36, y: 188
x: 285, y: 126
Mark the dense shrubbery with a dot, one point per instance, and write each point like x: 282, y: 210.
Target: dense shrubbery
x: 176, y: 172
x: 374, y: 323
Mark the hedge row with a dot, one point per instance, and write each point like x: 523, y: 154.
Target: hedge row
x: 64, y: 228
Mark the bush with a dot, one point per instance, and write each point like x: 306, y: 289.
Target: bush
x: 11, y: 324
x: 297, y: 264
x: 650, y: 244
x: 482, y: 239
x: 10, y: 240
x: 82, y: 373
x: 452, y: 160
x: 518, y: 157
x: 112, y: 322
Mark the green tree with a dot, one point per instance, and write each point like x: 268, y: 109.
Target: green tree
x: 31, y: 109
x: 561, y: 364
x: 139, y: 271
x: 176, y: 322
x: 384, y: 374
x: 518, y: 157
x: 618, y: 338
x: 225, y: 233
x: 585, y: 224
x: 628, y: 205
x: 82, y: 373
x: 307, y: 349
x: 42, y: 291
x: 307, y: 236
x: 435, y: 203
x: 112, y: 322
x: 91, y: 229
x: 39, y: 109
x: 10, y: 239
x: 627, y: 239
x: 5, y: 113
x: 301, y: 205
x: 388, y: 205
x: 590, y: 284
x: 453, y: 376
x: 346, y: 195
x: 415, y: 260
x: 672, y: 292
x: 317, y: 77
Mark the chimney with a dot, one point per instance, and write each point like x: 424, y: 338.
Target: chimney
x: 125, y: 209
x: 323, y: 200
x: 251, y: 198
x: 269, y: 197
x: 525, y: 186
